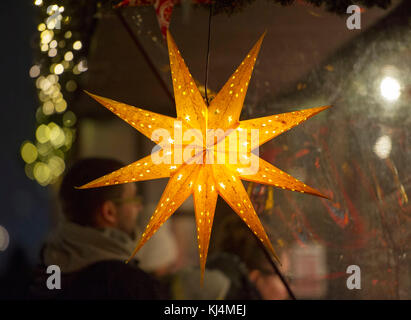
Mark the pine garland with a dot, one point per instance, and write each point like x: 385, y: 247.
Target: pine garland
x: 335, y: 6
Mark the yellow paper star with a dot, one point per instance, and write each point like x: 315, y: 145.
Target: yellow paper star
x: 202, y: 173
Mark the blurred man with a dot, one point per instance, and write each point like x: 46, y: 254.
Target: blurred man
x: 96, y: 237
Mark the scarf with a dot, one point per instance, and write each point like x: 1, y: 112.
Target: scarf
x: 73, y: 247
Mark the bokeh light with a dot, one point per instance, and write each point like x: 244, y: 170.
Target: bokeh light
x: 68, y: 56
x: 76, y: 71
x: 44, y: 158
x: 71, y: 86
x: 41, y: 27
x: 390, y: 89
x: 28, y: 170
x: 82, y: 66
x: 61, y: 106
x: 382, y: 147
x: 58, y: 69
x: 34, y: 71
x: 52, y: 52
x: 44, y: 47
x: 57, y: 135
x: 48, y: 108
x: 28, y: 152
x: 52, y: 9
x: 43, y: 133
x: 46, y: 36
x: 68, y: 35
x: 44, y: 148
x: 77, y: 45
x: 4, y: 239
x: 69, y: 119
x: 42, y: 173
x: 56, y: 166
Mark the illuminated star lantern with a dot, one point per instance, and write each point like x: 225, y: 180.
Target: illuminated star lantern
x: 200, y: 162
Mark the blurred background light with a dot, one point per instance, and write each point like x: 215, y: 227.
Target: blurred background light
x: 44, y: 148
x: 44, y: 158
x: 41, y: 27
x: 42, y: 173
x: 46, y: 36
x: 4, y: 239
x: 43, y: 133
x: 58, y: 69
x: 69, y: 119
x: 52, y: 78
x: 52, y: 9
x: 53, y: 44
x: 71, y: 86
x: 77, y: 45
x: 61, y: 106
x: 82, y: 66
x: 52, y: 52
x: 57, y: 136
x: 29, y: 152
x: 382, y: 147
x: 56, y: 165
x: 34, y: 71
x: 28, y: 170
x: 76, y: 71
x: 48, y: 108
x: 68, y: 35
x: 68, y: 56
x: 390, y: 89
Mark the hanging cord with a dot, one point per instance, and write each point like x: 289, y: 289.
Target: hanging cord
x: 208, y: 52
x: 277, y: 271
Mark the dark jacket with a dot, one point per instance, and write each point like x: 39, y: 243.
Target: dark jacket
x: 111, y: 279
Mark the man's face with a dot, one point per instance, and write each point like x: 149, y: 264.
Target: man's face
x: 128, y: 209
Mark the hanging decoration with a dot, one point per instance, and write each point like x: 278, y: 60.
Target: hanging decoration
x: 211, y: 166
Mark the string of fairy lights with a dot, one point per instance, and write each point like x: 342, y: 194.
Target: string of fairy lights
x: 58, y: 64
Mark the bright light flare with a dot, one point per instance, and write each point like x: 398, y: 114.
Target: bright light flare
x: 390, y: 89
